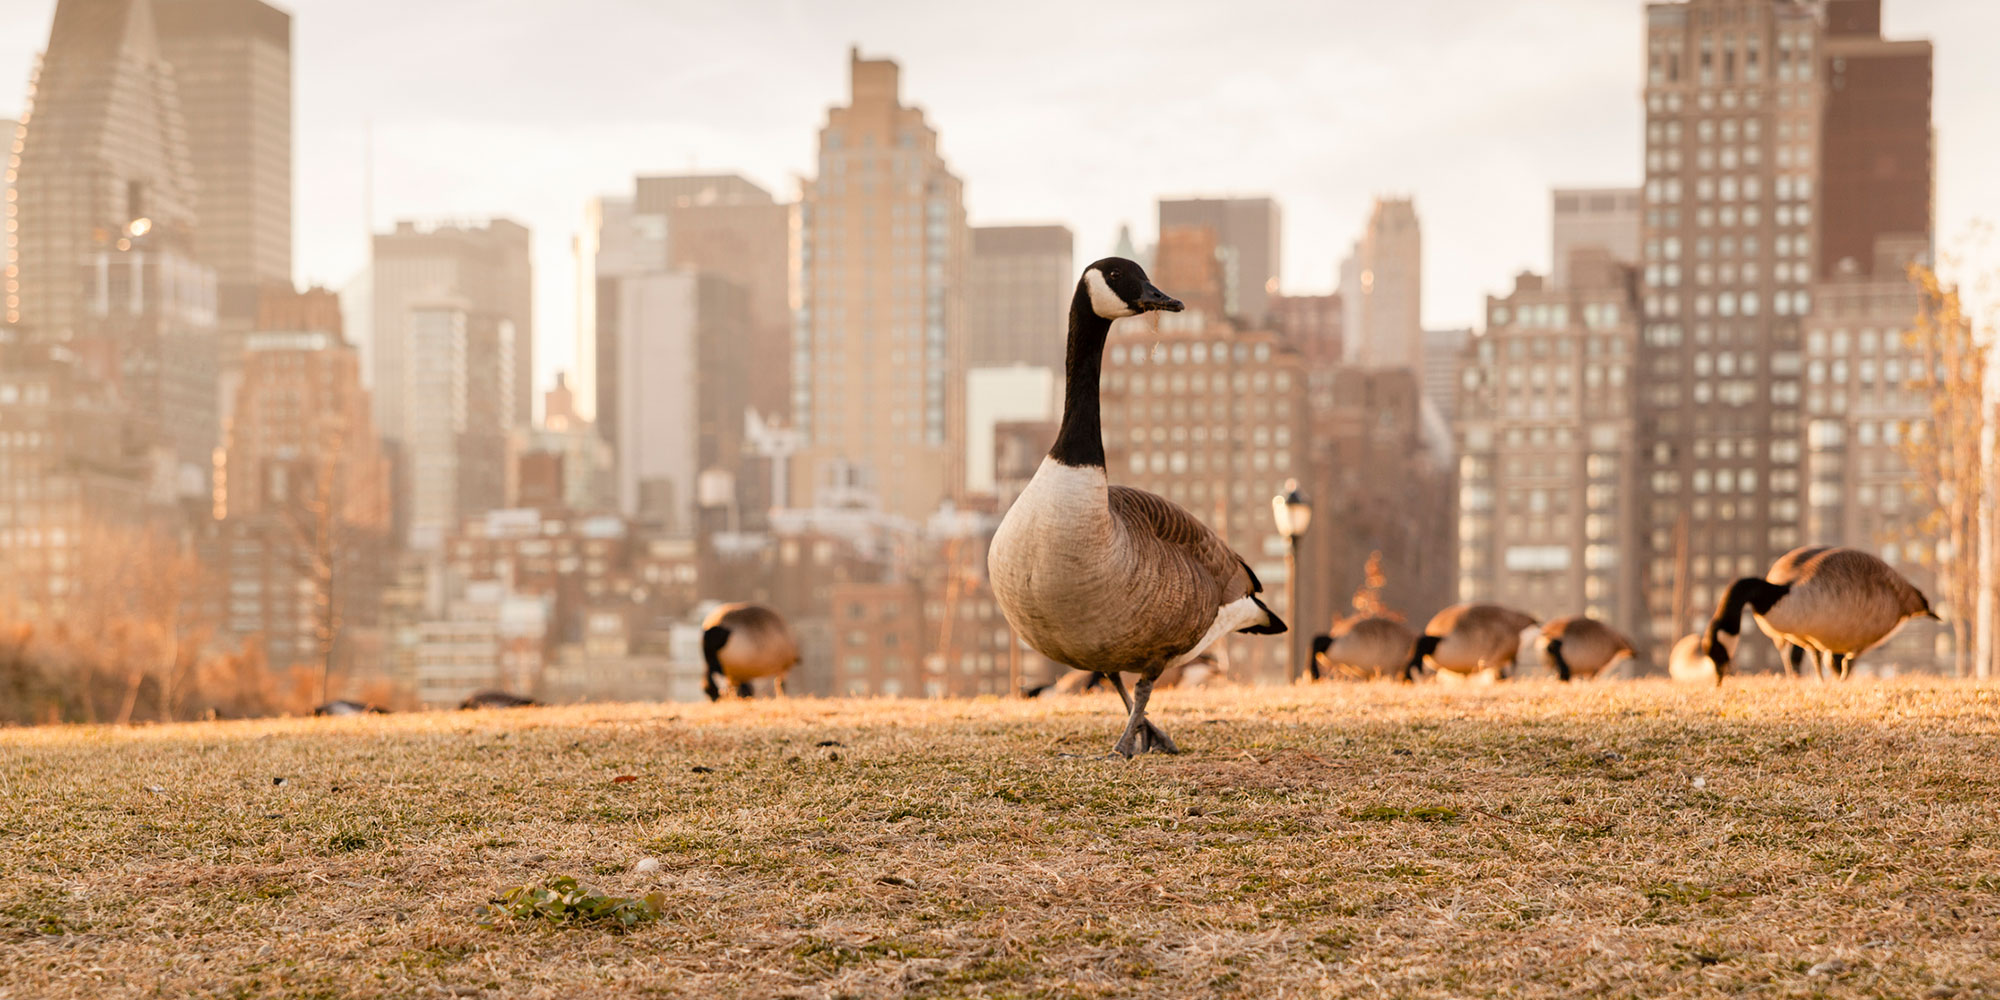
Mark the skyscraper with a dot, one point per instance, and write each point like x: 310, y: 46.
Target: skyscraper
x: 1381, y: 290
x: 232, y: 63
x: 878, y: 347
x: 484, y: 269
x: 1745, y: 129
x: 682, y: 345
x: 1247, y: 243
x: 724, y: 226
x: 1019, y: 282
x: 103, y: 159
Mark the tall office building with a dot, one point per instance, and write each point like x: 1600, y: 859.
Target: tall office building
x: 1247, y: 241
x: 1440, y: 374
x: 1018, y: 286
x: 232, y: 62
x: 682, y: 333
x: 1381, y: 290
x: 1602, y: 217
x: 1312, y: 323
x: 1744, y: 130
x: 1547, y: 499
x: 485, y: 270
x: 103, y: 159
x: 724, y: 226
x: 877, y: 353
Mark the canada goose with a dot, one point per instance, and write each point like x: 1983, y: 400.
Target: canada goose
x: 1364, y: 647
x: 344, y: 706
x: 496, y: 699
x: 1578, y: 646
x: 1110, y: 578
x: 1785, y: 570
x: 1470, y: 638
x: 1842, y: 603
x: 746, y: 642
x: 1691, y: 664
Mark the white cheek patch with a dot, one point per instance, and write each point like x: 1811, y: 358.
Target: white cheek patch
x: 1103, y: 300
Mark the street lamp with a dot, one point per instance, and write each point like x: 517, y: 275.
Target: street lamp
x: 1294, y: 514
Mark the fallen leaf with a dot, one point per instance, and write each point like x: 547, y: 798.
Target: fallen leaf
x: 623, y: 778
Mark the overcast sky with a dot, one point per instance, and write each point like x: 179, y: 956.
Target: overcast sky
x: 1050, y: 111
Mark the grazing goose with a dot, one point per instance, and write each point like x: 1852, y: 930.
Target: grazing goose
x: 1468, y: 639
x: 1786, y: 570
x: 1691, y: 663
x: 1109, y: 578
x: 496, y: 699
x: 1363, y: 648
x: 1841, y: 603
x: 1582, y: 647
x: 743, y: 643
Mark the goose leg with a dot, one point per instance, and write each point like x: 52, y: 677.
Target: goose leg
x: 1841, y: 665
x: 744, y: 690
x: 1819, y: 666
x: 1794, y: 660
x: 1140, y: 735
x: 1151, y: 737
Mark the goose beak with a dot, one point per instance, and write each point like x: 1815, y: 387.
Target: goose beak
x: 1153, y: 300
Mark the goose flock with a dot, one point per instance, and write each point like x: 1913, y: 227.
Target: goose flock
x: 1112, y: 580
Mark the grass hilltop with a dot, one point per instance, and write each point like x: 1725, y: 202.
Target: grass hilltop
x: 1636, y: 840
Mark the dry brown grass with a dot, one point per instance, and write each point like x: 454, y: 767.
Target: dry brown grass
x: 1535, y: 840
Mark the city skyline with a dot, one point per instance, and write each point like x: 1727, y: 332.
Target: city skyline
x: 439, y: 128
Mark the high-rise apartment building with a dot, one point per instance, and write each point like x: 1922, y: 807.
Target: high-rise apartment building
x: 1019, y: 280
x: 1381, y: 290
x: 1440, y: 374
x: 1599, y: 217
x: 302, y: 499
x: 1247, y: 244
x: 1876, y: 160
x: 1744, y: 130
x: 455, y: 377
x: 1547, y: 487
x: 232, y: 62
x: 878, y: 348
x: 485, y: 269
x: 1312, y: 323
x: 1213, y: 419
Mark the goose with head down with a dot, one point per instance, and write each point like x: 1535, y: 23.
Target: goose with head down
x: 1842, y: 603
x: 1109, y: 578
x: 1468, y: 639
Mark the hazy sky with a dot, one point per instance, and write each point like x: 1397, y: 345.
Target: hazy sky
x: 1051, y: 111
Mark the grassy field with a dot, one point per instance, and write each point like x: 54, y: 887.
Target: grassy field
x: 1532, y: 840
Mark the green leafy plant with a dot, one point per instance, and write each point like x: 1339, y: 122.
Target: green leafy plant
x: 563, y: 901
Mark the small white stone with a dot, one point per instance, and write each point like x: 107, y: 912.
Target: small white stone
x: 647, y: 866
x: 1830, y: 967
x: 1700, y: 782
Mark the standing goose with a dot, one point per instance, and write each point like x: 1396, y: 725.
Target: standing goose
x: 1842, y: 603
x: 1364, y: 647
x: 1578, y: 646
x: 1470, y: 638
x: 1109, y: 578
x: 1786, y: 570
x: 743, y: 643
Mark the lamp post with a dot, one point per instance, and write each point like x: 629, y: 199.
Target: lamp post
x: 1293, y: 512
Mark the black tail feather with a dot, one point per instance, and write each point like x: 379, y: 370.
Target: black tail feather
x: 1273, y: 625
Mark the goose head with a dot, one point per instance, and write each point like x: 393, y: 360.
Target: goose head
x: 1720, y: 649
x: 1116, y: 288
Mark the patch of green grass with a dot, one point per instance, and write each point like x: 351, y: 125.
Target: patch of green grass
x: 563, y: 901
x: 1422, y: 814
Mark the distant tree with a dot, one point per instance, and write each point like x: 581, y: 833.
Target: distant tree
x: 1951, y: 481
x: 1368, y: 599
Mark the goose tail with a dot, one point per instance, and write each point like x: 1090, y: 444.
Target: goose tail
x: 1271, y: 625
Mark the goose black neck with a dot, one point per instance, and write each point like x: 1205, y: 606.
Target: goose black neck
x: 1750, y: 591
x: 1080, y: 441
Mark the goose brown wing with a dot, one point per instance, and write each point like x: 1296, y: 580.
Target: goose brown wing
x: 1158, y: 524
